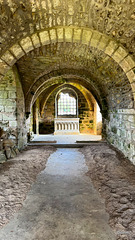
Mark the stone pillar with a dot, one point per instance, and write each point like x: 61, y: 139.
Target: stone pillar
x: 37, y: 116
x: 95, y: 118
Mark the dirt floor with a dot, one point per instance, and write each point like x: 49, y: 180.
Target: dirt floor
x: 16, y: 177
x: 114, y: 177
x: 62, y: 204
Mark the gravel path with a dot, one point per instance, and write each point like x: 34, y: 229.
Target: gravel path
x: 16, y: 177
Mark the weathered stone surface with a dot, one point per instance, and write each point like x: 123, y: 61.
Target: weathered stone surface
x: 8, y: 143
x: 90, y: 42
x: 105, y: 16
x: 8, y: 152
x: 2, y: 157
x: 114, y: 177
x: 15, y: 184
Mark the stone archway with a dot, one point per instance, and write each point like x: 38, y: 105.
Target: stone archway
x: 88, y: 42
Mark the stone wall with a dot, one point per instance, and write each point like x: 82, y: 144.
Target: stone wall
x: 120, y: 131
x: 12, y: 118
x: 22, y: 127
x: 8, y: 105
x: 85, y: 114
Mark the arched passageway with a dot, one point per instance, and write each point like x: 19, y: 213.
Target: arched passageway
x: 87, y: 47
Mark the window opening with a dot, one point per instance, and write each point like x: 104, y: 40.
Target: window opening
x: 66, y: 104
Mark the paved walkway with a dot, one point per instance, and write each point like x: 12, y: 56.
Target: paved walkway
x: 61, y: 205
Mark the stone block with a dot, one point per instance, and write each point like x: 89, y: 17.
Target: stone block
x: 133, y: 86
x: 131, y: 77
x: 9, y: 117
x: 13, y: 153
x: 77, y: 35
x: 17, y: 51
x: 133, y: 135
x: 8, y: 143
x: 123, y: 133
x: 127, y: 64
x: 111, y: 47
x: 118, y: 132
x: 10, y: 109
x: 131, y: 118
x: 2, y: 109
x: 60, y: 34
x: 86, y: 36
x: 1, y: 144
x: 3, y: 67
x: 3, y: 94
x: 44, y: 37
x: 35, y: 40
x: 129, y: 135
x: 103, y: 43
x: 2, y: 157
x: 26, y: 44
x: 8, y: 58
x: 8, y: 152
x: 119, y: 54
x: 95, y: 39
x: 68, y: 34
x: 12, y: 94
x: 13, y: 124
x: 8, y: 102
x: 132, y: 126
x: 127, y: 125
x: 53, y: 35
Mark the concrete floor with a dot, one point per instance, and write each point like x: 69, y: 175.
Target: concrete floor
x: 62, y: 204
x: 67, y: 139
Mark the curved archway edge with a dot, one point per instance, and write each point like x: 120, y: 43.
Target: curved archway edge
x: 72, y: 34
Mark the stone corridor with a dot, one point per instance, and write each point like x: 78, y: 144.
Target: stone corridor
x: 68, y: 67
x: 84, y: 193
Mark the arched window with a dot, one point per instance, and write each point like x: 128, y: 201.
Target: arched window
x: 66, y: 102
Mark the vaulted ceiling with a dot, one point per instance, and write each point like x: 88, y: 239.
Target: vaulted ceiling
x: 87, y: 42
